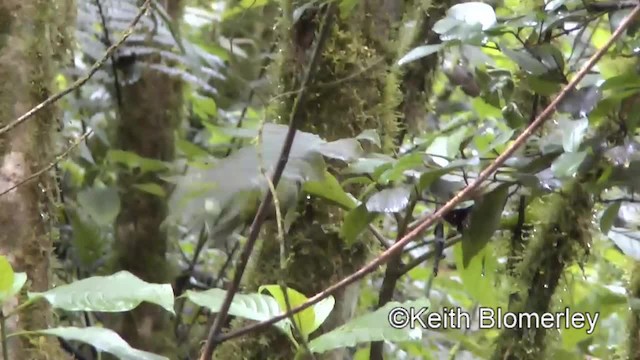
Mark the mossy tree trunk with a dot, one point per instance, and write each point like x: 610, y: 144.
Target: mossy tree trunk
x: 317, y: 256
x: 33, y: 36
x: 149, y: 116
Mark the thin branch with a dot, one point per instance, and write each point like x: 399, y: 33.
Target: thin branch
x: 78, y: 83
x: 294, y: 119
x: 451, y: 204
x: 51, y: 165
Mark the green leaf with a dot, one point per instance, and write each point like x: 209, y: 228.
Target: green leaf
x: 204, y: 107
x: 134, y: 161
x: 102, y: 204
x: 151, y: 188
x: 347, y: 150
x: 373, y: 326
x: 526, y: 61
x: 121, y: 291
x: 396, y: 171
x: 7, y: 278
x: 484, y: 221
x: 257, y: 307
x: 331, y: 190
x: 355, y: 222
x: 479, y: 275
x: 371, y: 136
x: 472, y: 13
x: 190, y: 150
x: 628, y: 241
x: 609, y: 216
x: 390, y: 200
x: 567, y: 164
x: 573, y: 132
x: 103, y: 340
x: 306, y: 319
x: 420, y: 52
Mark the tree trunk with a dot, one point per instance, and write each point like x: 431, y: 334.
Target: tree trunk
x: 33, y: 35
x: 149, y: 115
x: 318, y: 256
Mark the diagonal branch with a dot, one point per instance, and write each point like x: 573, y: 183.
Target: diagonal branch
x: 294, y: 120
x: 78, y: 83
x: 451, y: 204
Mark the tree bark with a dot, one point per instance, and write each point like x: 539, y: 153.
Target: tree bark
x: 149, y: 115
x: 33, y: 35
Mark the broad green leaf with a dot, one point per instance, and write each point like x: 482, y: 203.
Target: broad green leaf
x: 390, y: 200
x: 581, y: 102
x: 204, y: 107
x: 190, y: 150
x: 119, y: 292
x: 306, y: 319
x: 567, y: 164
x: 628, y: 241
x: 396, y: 171
x: 484, y: 221
x: 104, y: 340
x: 346, y: 7
x: 369, y: 164
x: 573, y: 132
x: 526, y: 61
x: 371, y: 136
x: 134, y: 161
x: 472, y: 13
x: 373, y: 326
x: 331, y: 190
x: 151, y: 188
x: 355, y: 222
x: 102, y: 204
x: 479, y: 275
x: 7, y: 278
x: 420, y: 52
x: 609, y: 216
x: 253, y: 306
x: 347, y: 150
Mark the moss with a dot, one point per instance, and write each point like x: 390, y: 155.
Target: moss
x: 561, y: 234
x: 634, y: 318
x: 339, y: 105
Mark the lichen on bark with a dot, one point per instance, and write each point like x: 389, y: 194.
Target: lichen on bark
x: 27, y: 72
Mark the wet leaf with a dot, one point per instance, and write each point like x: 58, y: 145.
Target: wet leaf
x: 391, y: 200
x: 609, y: 216
x: 484, y: 221
x: 567, y: 164
x: 420, y: 52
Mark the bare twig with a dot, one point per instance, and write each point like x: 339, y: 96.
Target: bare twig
x: 51, y: 165
x: 450, y: 205
x: 83, y: 80
x: 294, y: 120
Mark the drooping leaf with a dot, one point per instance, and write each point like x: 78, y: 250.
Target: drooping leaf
x: 331, y: 190
x: 526, y: 61
x: 609, y: 216
x: 628, y: 241
x: 347, y: 150
x: 104, y: 340
x: 473, y: 12
x: 581, y: 102
x: 396, y: 171
x: 151, y: 188
x: 484, y: 221
x: 121, y: 291
x: 371, y: 136
x: 371, y: 327
x: 479, y: 275
x: 306, y: 319
x: 420, y: 52
x: 573, y: 131
x: 390, y: 200
x: 355, y: 222
x: 102, y: 204
x: 134, y: 161
x: 567, y: 164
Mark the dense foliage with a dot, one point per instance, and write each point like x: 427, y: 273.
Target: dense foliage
x: 553, y: 230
